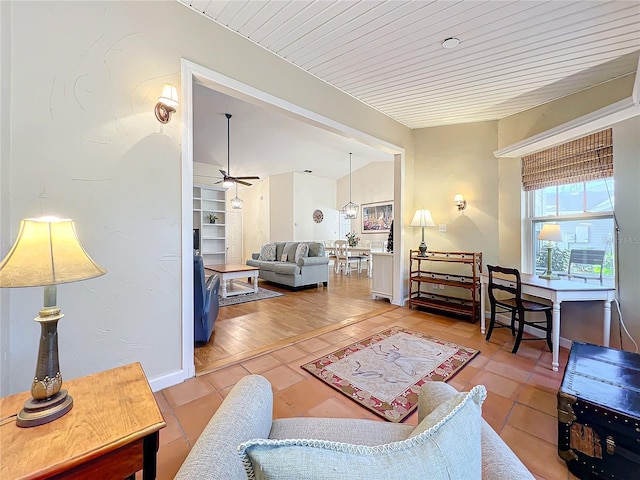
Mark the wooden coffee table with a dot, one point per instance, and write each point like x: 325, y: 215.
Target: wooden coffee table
x: 230, y: 272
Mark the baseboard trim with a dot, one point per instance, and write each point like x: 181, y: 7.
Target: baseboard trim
x: 168, y: 380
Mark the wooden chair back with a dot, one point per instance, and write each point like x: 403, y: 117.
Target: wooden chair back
x: 510, y: 283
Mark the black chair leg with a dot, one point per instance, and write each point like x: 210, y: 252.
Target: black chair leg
x: 520, y: 331
x: 549, y: 325
x: 513, y: 323
x: 492, y: 322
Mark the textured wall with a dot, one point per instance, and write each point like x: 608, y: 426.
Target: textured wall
x: 85, y: 144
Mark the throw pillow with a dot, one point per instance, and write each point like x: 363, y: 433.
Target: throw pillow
x: 301, y: 251
x: 290, y: 250
x: 448, y: 448
x: 268, y: 252
x: 316, y: 249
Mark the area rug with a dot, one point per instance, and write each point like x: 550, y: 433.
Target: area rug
x: 262, y: 294
x: 384, y: 372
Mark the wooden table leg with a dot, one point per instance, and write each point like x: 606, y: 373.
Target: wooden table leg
x: 150, y: 447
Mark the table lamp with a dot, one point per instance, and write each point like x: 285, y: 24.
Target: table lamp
x: 422, y: 218
x: 47, y: 252
x: 551, y: 233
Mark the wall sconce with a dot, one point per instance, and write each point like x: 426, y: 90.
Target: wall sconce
x: 167, y: 103
x: 460, y: 202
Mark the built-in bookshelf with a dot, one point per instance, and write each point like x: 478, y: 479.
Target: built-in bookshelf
x: 209, y: 223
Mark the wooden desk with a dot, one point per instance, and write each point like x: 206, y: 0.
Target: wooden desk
x: 558, y: 291
x: 112, y: 431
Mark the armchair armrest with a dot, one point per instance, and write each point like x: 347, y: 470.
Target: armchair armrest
x: 244, y: 414
x: 306, y: 261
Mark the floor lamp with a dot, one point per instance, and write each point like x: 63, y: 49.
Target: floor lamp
x: 46, y: 253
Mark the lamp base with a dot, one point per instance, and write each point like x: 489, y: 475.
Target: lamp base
x: 549, y: 276
x: 422, y: 249
x: 39, y: 412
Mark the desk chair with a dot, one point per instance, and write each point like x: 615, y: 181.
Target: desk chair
x: 586, y: 258
x: 515, y: 305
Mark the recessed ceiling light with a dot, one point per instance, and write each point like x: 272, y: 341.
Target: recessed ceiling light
x: 450, y: 42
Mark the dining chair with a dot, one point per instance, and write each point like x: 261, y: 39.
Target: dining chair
x: 509, y: 283
x: 344, y: 260
x: 329, y: 248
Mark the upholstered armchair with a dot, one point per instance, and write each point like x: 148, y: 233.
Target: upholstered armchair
x: 205, y: 301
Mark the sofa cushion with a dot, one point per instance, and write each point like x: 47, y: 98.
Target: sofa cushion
x: 268, y: 252
x: 268, y: 266
x: 301, y: 251
x: 290, y: 251
x: 445, y: 446
x: 286, y: 268
x: 316, y: 249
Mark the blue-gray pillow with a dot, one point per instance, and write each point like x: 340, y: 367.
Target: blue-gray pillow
x: 448, y: 448
x: 290, y: 251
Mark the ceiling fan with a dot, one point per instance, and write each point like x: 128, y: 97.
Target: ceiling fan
x: 227, y: 179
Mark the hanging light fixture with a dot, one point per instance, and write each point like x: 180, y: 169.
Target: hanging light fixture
x: 350, y: 209
x: 236, y: 202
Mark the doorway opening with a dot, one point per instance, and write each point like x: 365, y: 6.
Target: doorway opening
x: 193, y: 74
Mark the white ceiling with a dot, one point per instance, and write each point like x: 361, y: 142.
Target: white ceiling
x: 265, y: 142
x: 512, y: 56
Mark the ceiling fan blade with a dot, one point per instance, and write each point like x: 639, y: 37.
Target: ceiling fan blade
x: 249, y: 178
x: 242, y: 182
x: 224, y: 174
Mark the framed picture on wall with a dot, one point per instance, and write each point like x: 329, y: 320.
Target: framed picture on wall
x: 377, y: 217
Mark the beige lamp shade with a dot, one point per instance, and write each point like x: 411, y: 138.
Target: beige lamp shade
x: 550, y: 232
x: 169, y: 96
x: 422, y: 218
x: 47, y: 252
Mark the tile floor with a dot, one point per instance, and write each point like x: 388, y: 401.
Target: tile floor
x: 520, y: 406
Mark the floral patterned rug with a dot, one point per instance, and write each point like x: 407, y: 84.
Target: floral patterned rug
x: 384, y: 372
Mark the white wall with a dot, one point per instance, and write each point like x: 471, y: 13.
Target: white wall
x: 626, y: 157
x: 256, y: 216
x: 311, y: 193
x: 370, y: 184
x: 281, y: 207
x: 85, y: 143
x: 5, y: 152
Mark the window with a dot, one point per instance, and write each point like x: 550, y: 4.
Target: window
x: 584, y: 211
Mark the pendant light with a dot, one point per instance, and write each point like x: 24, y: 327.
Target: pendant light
x: 350, y: 209
x: 236, y: 202
x: 228, y: 182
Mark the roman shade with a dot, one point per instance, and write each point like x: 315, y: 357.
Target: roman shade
x: 581, y: 160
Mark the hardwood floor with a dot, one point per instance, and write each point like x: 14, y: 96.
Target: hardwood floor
x: 249, y: 329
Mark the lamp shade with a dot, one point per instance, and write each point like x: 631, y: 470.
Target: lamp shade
x: 47, y: 252
x: 169, y: 96
x: 422, y: 218
x: 550, y: 232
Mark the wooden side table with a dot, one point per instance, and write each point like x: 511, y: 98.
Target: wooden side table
x: 112, y: 431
